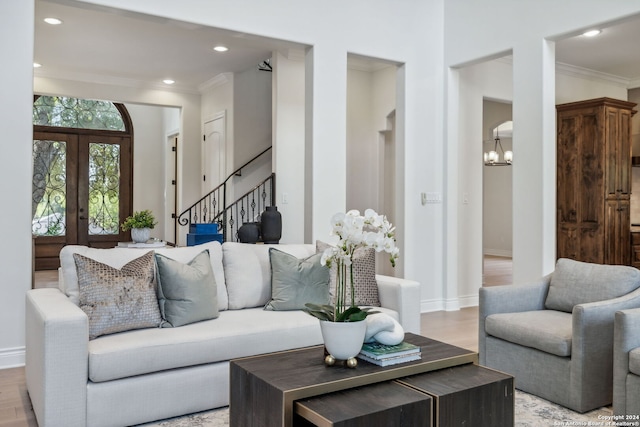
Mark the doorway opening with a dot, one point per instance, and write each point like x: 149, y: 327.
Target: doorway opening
x: 497, y: 205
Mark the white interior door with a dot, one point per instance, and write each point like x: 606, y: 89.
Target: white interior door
x: 214, y: 152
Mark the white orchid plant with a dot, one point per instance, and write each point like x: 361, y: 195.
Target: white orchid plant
x: 354, y: 231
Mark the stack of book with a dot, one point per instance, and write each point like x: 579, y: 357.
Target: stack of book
x: 386, y: 355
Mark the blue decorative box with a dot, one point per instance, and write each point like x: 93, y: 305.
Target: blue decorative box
x: 204, y: 228
x: 197, y: 239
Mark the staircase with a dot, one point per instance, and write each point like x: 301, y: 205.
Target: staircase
x: 211, y: 218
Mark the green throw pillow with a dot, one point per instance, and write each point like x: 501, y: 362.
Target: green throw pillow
x: 187, y: 293
x: 295, y: 282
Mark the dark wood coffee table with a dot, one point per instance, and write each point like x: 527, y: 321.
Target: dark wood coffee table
x: 265, y: 387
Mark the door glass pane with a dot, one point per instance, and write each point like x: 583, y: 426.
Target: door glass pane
x: 61, y: 111
x: 49, y: 198
x: 104, y: 188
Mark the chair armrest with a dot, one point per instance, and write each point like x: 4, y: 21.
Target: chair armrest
x: 508, y: 299
x: 513, y: 298
x: 57, y: 338
x: 626, y: 337
x: 593, y: 339
x: 403, y: 296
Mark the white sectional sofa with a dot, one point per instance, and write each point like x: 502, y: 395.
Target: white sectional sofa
x: 148, y: 374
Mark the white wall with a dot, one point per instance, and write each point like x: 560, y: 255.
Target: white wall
x: 149, y: 159
x: 288, y: 142
x: 362, y: 143
x: 252, y: 114
x: 370, y: 99
x: 16, y: 81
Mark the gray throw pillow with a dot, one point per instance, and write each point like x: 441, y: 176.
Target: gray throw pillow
x: 295, y: 282
x: 575, y: 282
x: 187, y: 292
x: 364, y: 276
x: 118, y: 300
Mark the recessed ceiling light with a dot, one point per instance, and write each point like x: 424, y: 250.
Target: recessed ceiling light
x: 221, y: 48
x: 53, y: 21
x: 36, y: 65
x: 591, y: 33
x: 168, y: 81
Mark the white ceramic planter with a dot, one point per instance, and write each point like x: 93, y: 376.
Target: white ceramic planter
x: 140, y: 235
x: 343, y: 340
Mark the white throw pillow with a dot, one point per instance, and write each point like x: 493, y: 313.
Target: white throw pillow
x: 247, y: 271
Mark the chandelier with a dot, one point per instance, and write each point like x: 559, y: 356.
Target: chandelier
x: 492, y: 158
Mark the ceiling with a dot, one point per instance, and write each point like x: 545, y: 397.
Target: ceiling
x: 613, y: 52
x: 130, y: 49
x: 112, y: 46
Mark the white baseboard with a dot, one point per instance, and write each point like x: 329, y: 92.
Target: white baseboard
x: 12, y: 357
x: 455, y: 304
x: 427, y: 306
x: 498, y: 252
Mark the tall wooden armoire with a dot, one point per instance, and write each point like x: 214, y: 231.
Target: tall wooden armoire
x: 594, y: 181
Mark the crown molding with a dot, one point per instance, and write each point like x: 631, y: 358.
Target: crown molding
x: 294, y: 54
x: 585, y: 73
x: 369, y: 66
x: 114, y: 81
x: 217, y: 81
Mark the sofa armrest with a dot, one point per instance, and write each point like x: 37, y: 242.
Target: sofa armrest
x: 508, y: 299
x: 57, y: 338
x: 403, y: 296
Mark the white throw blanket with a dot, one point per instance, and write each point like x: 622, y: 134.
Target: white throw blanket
x: 384, y: 329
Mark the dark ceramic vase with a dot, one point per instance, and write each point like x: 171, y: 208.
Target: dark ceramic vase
x: 271, y: 225
x: 249, y: 232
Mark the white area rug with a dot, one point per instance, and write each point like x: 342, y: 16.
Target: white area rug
x: 530, y: 411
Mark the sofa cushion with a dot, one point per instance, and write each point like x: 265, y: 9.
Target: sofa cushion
x: 186, y: 292
x: 247, y: 271
x: 117, y: 300
x: 295, y: 282
x: 235, y: 333
x: 575, y: 282
x: 364, y: 276
x: 117, y: 257
x: 634, y: 361
x: 545, y: 330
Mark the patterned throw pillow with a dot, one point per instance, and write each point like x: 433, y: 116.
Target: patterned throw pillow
x: 118, y: 300
x: 364, y: 276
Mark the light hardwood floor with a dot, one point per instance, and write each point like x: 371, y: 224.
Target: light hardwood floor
x: 458, y: 328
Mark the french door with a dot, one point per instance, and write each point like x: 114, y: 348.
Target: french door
x: 82, y: 190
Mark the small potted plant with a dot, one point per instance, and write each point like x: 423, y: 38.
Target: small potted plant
x: 140, y: 224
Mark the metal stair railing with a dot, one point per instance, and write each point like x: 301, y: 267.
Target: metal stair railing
x: 213, y: 208
x: 247, y: 208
